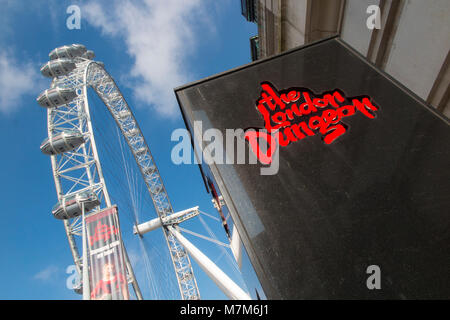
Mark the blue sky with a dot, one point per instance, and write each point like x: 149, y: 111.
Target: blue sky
x: 149, y: 47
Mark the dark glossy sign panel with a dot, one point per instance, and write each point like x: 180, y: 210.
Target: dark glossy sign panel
x: 358, y: 207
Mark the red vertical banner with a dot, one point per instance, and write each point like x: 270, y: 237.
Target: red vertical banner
x: 108, y: 277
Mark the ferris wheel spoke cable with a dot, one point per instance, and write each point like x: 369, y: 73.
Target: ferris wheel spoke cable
x: 110, y: 156
x: 131, y: 182
x: 121, y: 162
x: 230, y: 260
x: 148, y: 270
x: 213, y: 238
x: 204, y: 237
x: 209, y: 215
x: 133, y: 199
x: 128, y: 198
x: 164, y: 285
x: 219, y: 257
x: 113, y: 158
x: 132, y: 175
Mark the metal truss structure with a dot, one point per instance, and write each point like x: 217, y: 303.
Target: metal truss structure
x: 80, y: 169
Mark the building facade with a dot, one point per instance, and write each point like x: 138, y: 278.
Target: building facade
x: 408, y: 39
x: 333, y: 211
x: 355, y: 178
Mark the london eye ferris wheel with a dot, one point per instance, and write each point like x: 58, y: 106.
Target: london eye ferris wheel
x: 80, y: 182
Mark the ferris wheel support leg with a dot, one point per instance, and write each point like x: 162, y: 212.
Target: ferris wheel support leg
x: 228, y: 286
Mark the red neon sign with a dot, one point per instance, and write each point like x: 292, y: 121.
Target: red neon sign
x: 294, y: 114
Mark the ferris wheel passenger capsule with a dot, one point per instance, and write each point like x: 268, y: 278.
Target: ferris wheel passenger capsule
x: 89, y: 55
x: 62, y: 142
x: 55, y: 97
x: 72, y: 206
x: 68, y: 51
x: 58, y: 67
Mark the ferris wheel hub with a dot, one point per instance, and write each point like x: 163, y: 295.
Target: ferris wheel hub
x: 168, y: 220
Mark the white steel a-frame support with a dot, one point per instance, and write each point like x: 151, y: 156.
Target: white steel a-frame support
x: 228, y: 286
x: 170, y: 222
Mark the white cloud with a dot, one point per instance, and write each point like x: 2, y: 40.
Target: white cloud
x: 47, y: 274
x: 16, y: 79
x: 159, y: 36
